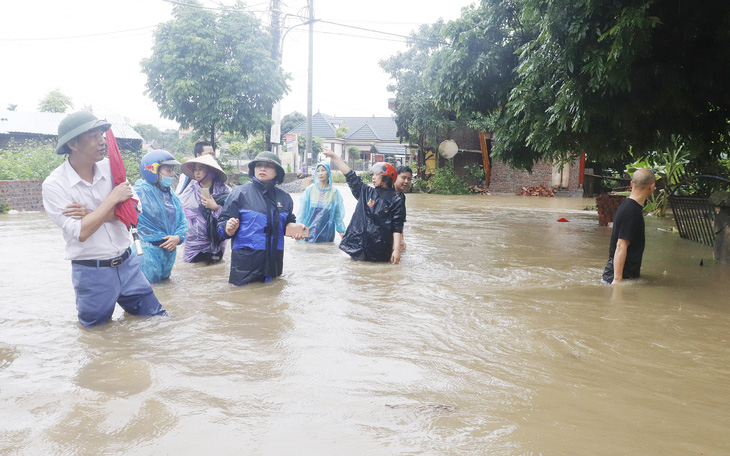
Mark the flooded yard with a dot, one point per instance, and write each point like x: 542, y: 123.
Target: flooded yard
x: 494, y: 336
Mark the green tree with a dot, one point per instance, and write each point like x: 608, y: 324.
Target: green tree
x: 420, y: 121
x: 341, y: 132
x: 317, y: 144
x: 256, y: 144
x: 213, y: 71
x: 290, y: 121
x: 237, y: 150
x: 55, y: 101
x: 150, y: 133
x: 353, y: 153
x: 554, y: 77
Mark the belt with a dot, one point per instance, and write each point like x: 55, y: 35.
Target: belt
x: 112, y: 263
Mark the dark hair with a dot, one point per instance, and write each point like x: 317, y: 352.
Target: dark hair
x: 198, y: 149
x: 403, y: 169
x: 387, y: 180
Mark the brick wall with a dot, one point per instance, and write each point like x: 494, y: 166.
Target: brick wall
x: 22, y: 195
x: 507, y: 180
x: 607, y: 206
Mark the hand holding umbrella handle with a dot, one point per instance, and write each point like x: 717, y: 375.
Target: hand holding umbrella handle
x: 135, y: 238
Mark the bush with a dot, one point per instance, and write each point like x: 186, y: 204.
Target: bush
x: 338, y: 178
x: 31, y: 160
x: 4, y: 207
x: 132, y: 162
x: 446, y: 182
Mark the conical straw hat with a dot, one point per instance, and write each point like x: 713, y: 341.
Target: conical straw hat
x: 207, y: 160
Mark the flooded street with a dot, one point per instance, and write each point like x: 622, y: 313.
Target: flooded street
x: 494, y: 336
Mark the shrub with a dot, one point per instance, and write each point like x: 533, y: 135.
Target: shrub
x: 446, y: 182
x: 338, y: 178
x: 31, y: 160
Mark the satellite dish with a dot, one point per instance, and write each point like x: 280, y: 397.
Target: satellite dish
x: 448, y: 148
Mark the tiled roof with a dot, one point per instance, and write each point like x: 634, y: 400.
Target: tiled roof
x: 389, y: 150
x: 324, y: 126
x: 46, y: 124
x: 321, y: 126
x: 363, y: 133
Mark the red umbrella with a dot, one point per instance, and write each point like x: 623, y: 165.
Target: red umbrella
x: 126, y: 211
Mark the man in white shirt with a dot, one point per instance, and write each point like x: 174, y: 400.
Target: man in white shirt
x: 80, y: 197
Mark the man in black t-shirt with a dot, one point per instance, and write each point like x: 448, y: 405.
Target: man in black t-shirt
x: 627, y: 239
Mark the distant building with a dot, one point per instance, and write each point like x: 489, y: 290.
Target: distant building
x: 19, y: 127
x: 375, y: 137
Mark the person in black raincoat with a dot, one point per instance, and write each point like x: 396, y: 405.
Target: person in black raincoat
x: 256, y: 216
x: 377, y: 222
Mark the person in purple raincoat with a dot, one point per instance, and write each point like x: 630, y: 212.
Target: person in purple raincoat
x: 203, y: 202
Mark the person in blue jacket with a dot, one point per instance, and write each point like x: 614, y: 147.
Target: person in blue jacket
x: 256, y: 216
x: 162, y: 224
x: 376, y: 228
x: 321, y: 207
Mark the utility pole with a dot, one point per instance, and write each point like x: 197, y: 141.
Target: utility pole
x: 308, y: 152
x: 274, y: 138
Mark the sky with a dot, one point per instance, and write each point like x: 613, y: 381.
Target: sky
x: 91, y: 50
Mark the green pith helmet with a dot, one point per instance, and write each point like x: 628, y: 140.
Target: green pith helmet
x: 75, y: 124
x: 268, y: 157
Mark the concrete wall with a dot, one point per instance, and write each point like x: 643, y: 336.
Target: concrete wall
x: 23, y: 195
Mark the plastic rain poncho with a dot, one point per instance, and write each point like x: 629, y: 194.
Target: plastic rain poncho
x: 322, y: 210
x: 200, y: 239
x: 162, y: 216
x: 378, y: 214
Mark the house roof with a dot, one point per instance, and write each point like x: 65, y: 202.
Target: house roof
x: 389, y: 149
x: 46, y: 124
x: 365, y: 132
x: 359, y: 128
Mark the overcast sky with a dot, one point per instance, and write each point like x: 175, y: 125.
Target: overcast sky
x: 91, y: 50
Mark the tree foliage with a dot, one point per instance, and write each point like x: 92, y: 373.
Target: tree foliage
x: 55, y: 101
x: 150, y: 133
x: 29, y: 160
x: 213, y: 71
x: 290, y: 122
x: 418, y: 118
x: 552, y: 78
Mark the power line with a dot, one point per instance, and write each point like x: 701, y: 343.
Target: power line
x: 407, y: 37
x: 79, y: 36
x: 219, y: 8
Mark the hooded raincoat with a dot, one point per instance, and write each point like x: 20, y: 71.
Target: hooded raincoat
x: 163, y: 216
x: 379, y: 213
x: 200, y: 237
x: 257, y: 248
x: 322, y: 210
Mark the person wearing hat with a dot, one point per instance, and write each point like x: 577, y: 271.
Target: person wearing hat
x: 257, y: 216
x: 162, y: 225
x: 80, y: 197
x: 201, y: 148
x: 203, y: 202
x: 375, y: 231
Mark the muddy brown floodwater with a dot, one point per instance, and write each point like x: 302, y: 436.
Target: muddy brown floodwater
x: 493, y: 336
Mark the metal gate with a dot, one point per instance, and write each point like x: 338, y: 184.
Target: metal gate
x: 694, y: 217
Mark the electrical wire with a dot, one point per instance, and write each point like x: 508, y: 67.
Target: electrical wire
x: 80, y: 36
